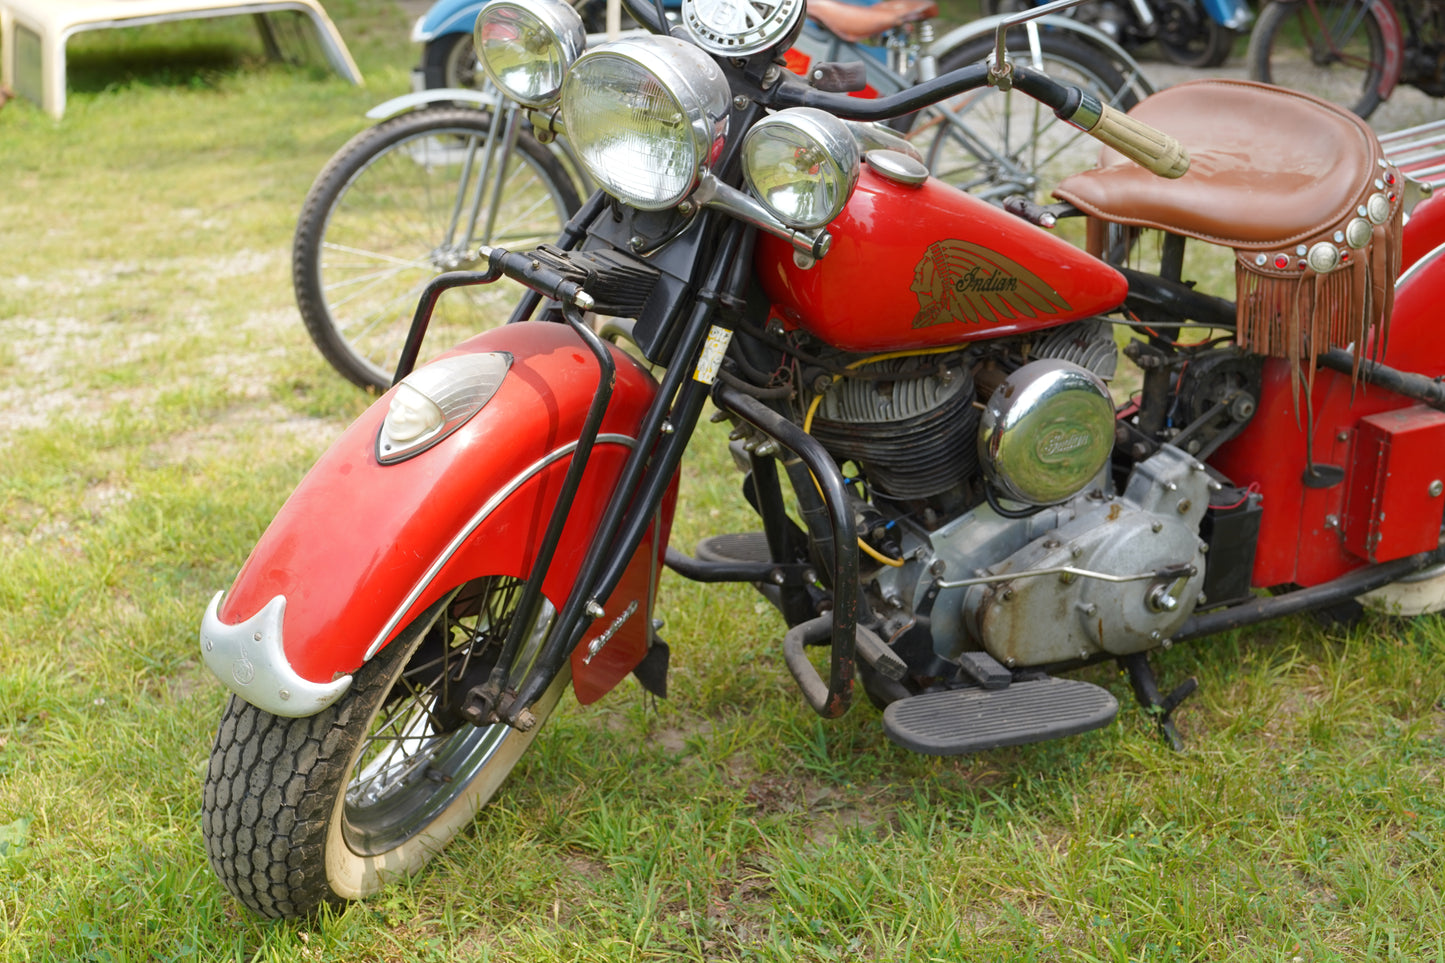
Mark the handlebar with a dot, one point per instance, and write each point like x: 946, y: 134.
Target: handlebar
x: 1147, y: 146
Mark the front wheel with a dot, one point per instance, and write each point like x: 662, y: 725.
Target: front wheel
x: 404, y: 201
x: 1333, y: 49
x: 994, y: 143
x: 331, y: 807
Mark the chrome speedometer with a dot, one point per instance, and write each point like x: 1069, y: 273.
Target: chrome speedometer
x: 737, y: 28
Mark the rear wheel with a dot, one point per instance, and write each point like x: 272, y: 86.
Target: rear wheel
x: 301, y: 812
x: 404, y: 201
x: 995, y: 143
x: 1333, y: 49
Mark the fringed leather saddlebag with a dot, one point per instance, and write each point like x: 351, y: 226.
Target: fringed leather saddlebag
x: 1299, y: 188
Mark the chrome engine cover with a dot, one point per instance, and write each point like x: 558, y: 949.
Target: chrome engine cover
x: 1046, y: 431
x: 1134, y: 568
x: 985, y: 581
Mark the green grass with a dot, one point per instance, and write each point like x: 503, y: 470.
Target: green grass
x: 160, y: 399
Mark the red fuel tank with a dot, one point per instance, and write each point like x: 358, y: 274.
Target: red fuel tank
x: 918, y: 266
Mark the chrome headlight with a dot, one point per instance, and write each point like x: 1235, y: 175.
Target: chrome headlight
x: 646, y: 115
x: 526, y: 48
x: 802, y: 163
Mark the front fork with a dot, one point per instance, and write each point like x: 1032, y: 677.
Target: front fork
x: 644, y: 482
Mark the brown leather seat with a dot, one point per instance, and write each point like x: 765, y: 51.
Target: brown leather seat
x: 854, y: 23
x: 1268, y: 167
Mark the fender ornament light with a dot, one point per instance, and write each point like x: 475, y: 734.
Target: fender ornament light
x: 432, y: 402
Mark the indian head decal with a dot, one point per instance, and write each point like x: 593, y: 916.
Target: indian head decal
x: 959, y: 281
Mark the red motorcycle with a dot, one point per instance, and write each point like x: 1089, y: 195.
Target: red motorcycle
x: 951, y: 504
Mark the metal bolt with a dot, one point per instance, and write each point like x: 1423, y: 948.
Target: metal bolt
x: 1167, y: 643
x: 525, y: 720
x: 1436, y: 487
x: 1184, y: 506
x: 766, y: 447
x: 285, y: 694
x: 740, y: 102
x: 210, y: 645
x: 1077, y: 551
x: 593, y: 609
x: 1332, y: 521
x: 1157, y: 527
x: 776, y: 576
x: 1155, y: 636
x: 938, y: 567
x: 1342, y: 436
x: 1006, y: 595
x: 666, y: 428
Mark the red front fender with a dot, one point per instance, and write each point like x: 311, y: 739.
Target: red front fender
x: 361, y: 548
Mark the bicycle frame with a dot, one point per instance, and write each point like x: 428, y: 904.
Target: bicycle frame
x: 1391, y: 35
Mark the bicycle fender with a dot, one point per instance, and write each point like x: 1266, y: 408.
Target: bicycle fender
x: 360, y: 548
x: 1393, y: 37
x: 416, y: 100
x: 987, y: 27
x: 445, y: 16
x: 1233, y: 14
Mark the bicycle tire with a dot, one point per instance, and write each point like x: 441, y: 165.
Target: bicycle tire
x: 384, y: 217
x: 1345, y: 71
x: 1008, y: 143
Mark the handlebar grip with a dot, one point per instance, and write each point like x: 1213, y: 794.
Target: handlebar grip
x: 1147, y: 146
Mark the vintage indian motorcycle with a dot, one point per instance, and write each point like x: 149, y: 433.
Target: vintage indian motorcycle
x: 950, y: 504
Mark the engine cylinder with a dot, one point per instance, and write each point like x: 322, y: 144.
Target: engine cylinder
x: 913, y: 438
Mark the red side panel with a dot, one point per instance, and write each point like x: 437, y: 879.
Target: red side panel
x: 914, y: 267
x: 361, y: 548
x: 1301, y: 537
x: 1395, y: 496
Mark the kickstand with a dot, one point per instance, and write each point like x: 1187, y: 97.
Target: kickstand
x: 1146, y: 690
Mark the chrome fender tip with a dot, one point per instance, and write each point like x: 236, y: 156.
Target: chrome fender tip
x: 249, y: 659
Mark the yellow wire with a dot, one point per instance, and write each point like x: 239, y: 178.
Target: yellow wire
x: 867, y: 549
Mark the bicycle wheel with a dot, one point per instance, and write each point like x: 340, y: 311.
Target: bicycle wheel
x: 451, y: 61
x: 401, y: 203
x: 995, y: 143
x: 1333, y: 49
x: 1190, y: 37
